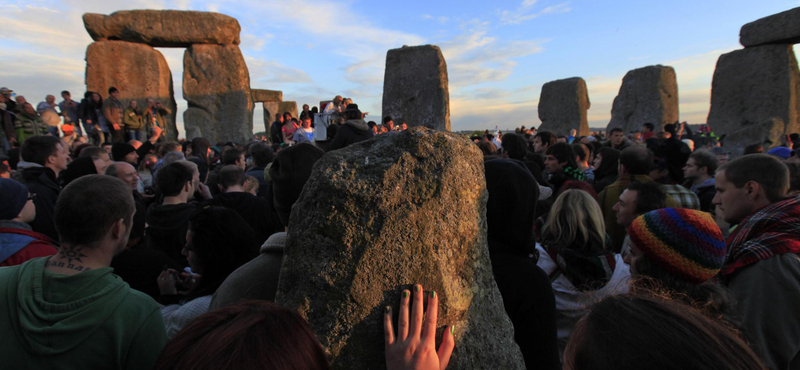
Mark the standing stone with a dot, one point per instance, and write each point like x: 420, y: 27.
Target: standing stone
x: 262, y: 95
x: 768, y: 133
x: 563, y: 106
x: 164, y: 28
x: 754, y: 85
x: 216, y: 85
x: 375, y: 218
x: 648, y: 94
x: 270, y: 109
x: 415, y: 87
x: 137, y: 70
x: 288, y: 106
x: 781, y: 28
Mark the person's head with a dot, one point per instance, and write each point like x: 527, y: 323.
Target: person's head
x: 28, y: 108
x: 672, y: 334
x: 637, y: 199
x: 337, y: 100
x: 542, y: 140
x: 113, y: 92
x: 151, y: 102
x: 289, y: 173
x: 262, y: 154
x: 16, y: 202
x: 235, y: 157
x: 606, y: 162
x: 50, y: 99
x: 149, y: 162
x: 561, y: 139
x: 231, y: 176
x: 514, y: 146
x: 81, y: 167
x: 723, y: 155
x: 279, y: 117
x: 352, y: 112
x: 170, y: 146
x: 513, y: 193
x: 247, y: 335
x: 305, y: 107
x: 251, y: 185
x: 200, y: 147
x: 578, y: 185
x: 616, y: 136
x: 487, y: 148
x: 306, y: 122
x: 96, y: 152
x: 581, y: 153
x: 700, y: 166
x: 748, y: 184
x: 576, y: 222
x: 95, y: 211
x: 178, y: 178
x: 287, y: 117
x: 66, y: 95
x: 124, y: 152
x: 388, y: 121
x: 133, y: 104
x: 125, y: 172
x: 47, y: 151
x: 107, y: 146
x: 559, y: 156
x: 754, y: 149
x: 648, y: 127
x: 97, y: 99
x: 635, y: 160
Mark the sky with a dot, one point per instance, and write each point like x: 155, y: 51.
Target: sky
x: 498, y: 53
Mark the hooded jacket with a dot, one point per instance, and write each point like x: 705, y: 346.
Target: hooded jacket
x: 166, y: 229
x: 90, y: 320
x: 42, y: 182
x: 353, y: 131
x: 254, y: 210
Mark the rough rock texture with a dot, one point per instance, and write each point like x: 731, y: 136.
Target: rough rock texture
x: 781, y: 28
x: 216, y: 85
x: 379, y: 216
x: 137, y: 70
x: 262, y: 95
x: 753, y: 85
x: 270, y: 108
x: 563, y: 105
x: 164, y: 28
x: 648, y: 94
x: 769, y: 133
x: 415, y: 87
x: 288, y: 106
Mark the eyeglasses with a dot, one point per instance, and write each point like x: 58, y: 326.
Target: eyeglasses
x: 31, y: 196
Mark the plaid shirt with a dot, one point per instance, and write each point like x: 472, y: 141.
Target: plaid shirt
x: 682, y: 196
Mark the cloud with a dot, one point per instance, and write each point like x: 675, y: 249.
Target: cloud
x: 254, y: 42
x: 526, y: 11
x: 267, y: 72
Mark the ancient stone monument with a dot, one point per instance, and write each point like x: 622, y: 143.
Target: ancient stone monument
x: 648, y: 94
x: 164, y: 28
x: 781, y: 28
x: 563, y: 105
x: 379, y: 216
x: 768, y: 133
x: 289, y: 106
x: 271, y: 100
x: 415, y: 87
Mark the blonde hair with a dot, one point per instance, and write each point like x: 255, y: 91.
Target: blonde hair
x: 251, y: 184
x: 575, y: 221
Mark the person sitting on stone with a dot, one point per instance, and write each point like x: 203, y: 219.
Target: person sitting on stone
x: 275, y: 136
x: 353, y: 131
x: 290, y: 126
x: 617, y: 139
x: 762, y: 266
x: 388, y: 123
x: 132, y: 119
x: 45, y: 157
x: 560, y: 165
x: 28, y: 124
x: 18, y: 242
x: 637, y: 199
x: 699, y: 174
x: 155, y: 116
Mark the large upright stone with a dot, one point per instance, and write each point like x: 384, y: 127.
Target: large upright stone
x: 768, y: 133
x: 648, y: 94
x: 781, y: 28
x: 415, y: 87
x: 379, y: 216
x: 164, y: 28
x: 753, y: 85
x: 137, y: 70
x: 270, y: 109
x: 216, y: 85
x: 288, y: 106
x: 563, y: 106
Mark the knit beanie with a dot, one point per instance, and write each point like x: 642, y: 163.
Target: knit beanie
x: 685, y: 242
x: 13, y: 196
x: 289, y: 172
x: 120, y: 150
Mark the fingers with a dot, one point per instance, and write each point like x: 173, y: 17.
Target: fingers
x: 429, y: 328
x: 416, y: 312
x: 446, y: 348
x: 402, y: 319
x: 388, y: 332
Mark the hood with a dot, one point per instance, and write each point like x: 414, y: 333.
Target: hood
x: 358, y: 124
x: 71, y: 311
x: 513, y: 193
x: 275, y: 243
x: 169, y: 215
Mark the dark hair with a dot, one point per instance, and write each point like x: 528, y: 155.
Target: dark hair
x: 487, y: 148
x: 546, y: 137
x: 563, y: 154
x: 78, y: 150
x: 88, y: 207
x: 92, y: 151
x: 286, y: 114
x: 753, y: 149
x: 169, y: 146
x: 637, y: 160
x: 616, y: 129
x: 200, y: 147
x: 669, y: 127
x: 66, y: 92
x: 111, y: 90
x: 171, y: 178
x: 704, y: 158
x: 231, y: 175
x: 248, y: 335
x: 769, y: 172
x: 353, y: 114
x: 578, y: 185
x: 794, y: 176
x: 649, y: 196
x: 608, y: 166
x: 387, y: 119
x: 515, y: 146
x: 231, y: 155
x: 649, y: 126
x: 36, y: 149
x: 581, y: 151
x: 652, y: 332
x: 262, y: 154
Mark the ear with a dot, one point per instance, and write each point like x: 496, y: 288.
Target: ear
x: 221, y: 189
x: 752, y: 189
x: 117, y: 229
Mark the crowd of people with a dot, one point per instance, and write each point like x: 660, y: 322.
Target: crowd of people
x: 647, y: 250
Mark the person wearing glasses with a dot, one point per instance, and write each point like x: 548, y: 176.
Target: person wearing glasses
x: 18, y: 242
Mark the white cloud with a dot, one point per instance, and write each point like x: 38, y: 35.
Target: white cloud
x: 269, y: 72
x: 526, y: 11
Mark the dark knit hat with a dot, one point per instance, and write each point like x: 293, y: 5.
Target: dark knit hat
x: 120, y: 150
x: 685, y: 242
x: 78, y: 168
x: 13, y: 196
x: 289, y: 173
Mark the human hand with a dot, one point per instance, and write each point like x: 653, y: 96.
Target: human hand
x: 205, y: 192
x: 116, y: 126
x: 166, y: 282
x: 414, y: 346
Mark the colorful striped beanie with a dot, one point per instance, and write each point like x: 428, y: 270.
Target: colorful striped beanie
x: 685, y: 242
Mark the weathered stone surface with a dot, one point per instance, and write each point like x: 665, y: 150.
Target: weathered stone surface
x: 137, y: 70
x: 270, y: 109
x: 262, y: 95
x: 379, y: 216
x: 781, y: 28
x: 753, y: 85
x: 563, y: 105
x: 216, y: 85
x: 769, y: 133
x: 164, y: 28
x: 648, y: 94
x: 288, y: 106
x: 415, y: 87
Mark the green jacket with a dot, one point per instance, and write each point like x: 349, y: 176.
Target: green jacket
x: 132, y: 119
x: 28, y: 125
x: 160, y: 119
x: 91, y: 320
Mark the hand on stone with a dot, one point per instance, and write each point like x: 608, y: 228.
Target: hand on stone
x: 414, y: 346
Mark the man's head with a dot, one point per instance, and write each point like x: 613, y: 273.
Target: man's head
x: 125, y: 172
x: 289, y: 173
x: 50, y: 99
x: 669, y: 130
x: 700, y: 166
x: 581, y: 153
x: 96, y: 152
x: 279, y: 117
x: 648, y: 127
x: 178, y: 178
x: 559, y: 156
x: 170, y: 146
x: 306, y: 121
x: 48, y: 151
x: 151, y: 102
x: 561, y: 139
x: 514, y: 146
x: 635, y: 160
x: 542, y: 140
x: 388, y: 120
x: 124, y: 152
x: 231, y: 176
x: 305, y: 106
x: 113, y: 92
x: 235, y: 157
x: 262, y: 154
x: 337, y: 100
x: 638, y: 199
x: 616, y: 136
x: 723, y: 155
x: 748, y: 184
x: 16, y: 203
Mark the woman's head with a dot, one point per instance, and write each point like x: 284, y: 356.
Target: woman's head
x: 606, y: 163
x: 249, y: 335
x: 97, y: 98
x: 575, y: 221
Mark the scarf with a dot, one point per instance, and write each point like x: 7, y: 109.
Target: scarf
x: 769, y: 232
x: 586, y: 273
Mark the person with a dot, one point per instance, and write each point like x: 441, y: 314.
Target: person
x: 275, y: 135
x: 209, y: 228
x: 69, y: 110
x: 28, y: 124
x: 675, y: 152
x: 723, y: 155
x: 388, y: 123
x: 112, y: 111
x: 289, y: 128
x: 199, y: 150
x: 156, y: 116
x: 637, y: 199
x: 617, y: 139
x: 542, y: 140
x: 648, y: 130
x: 47, y: 111
x: 262, y: 157
x: 81, y: 167
x: 45, y: 157
x: 230, y: 157
x: 794, y: 178
x: 605, y: 168
x: 582, y: 155
x: 527, y: 295
x: 8, y: 136
x: 127, y: 173
x: 97, y: 152
x: 70, y: 310
x: 573, y: 252
x: 102, y: 126
x: 560, y: 165
x: 132, y: 118
x: 353, y: 131
x: 762, y: 266
x: 18, y: 242
x: 89, y: 118
x: 146, y: 170
x: 124, y: 152
x: 304, y: 134
x: 258, y: 279
x: 618, y: 330
x: 699, y: 175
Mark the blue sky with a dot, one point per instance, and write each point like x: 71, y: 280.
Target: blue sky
x: 499, y: 53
